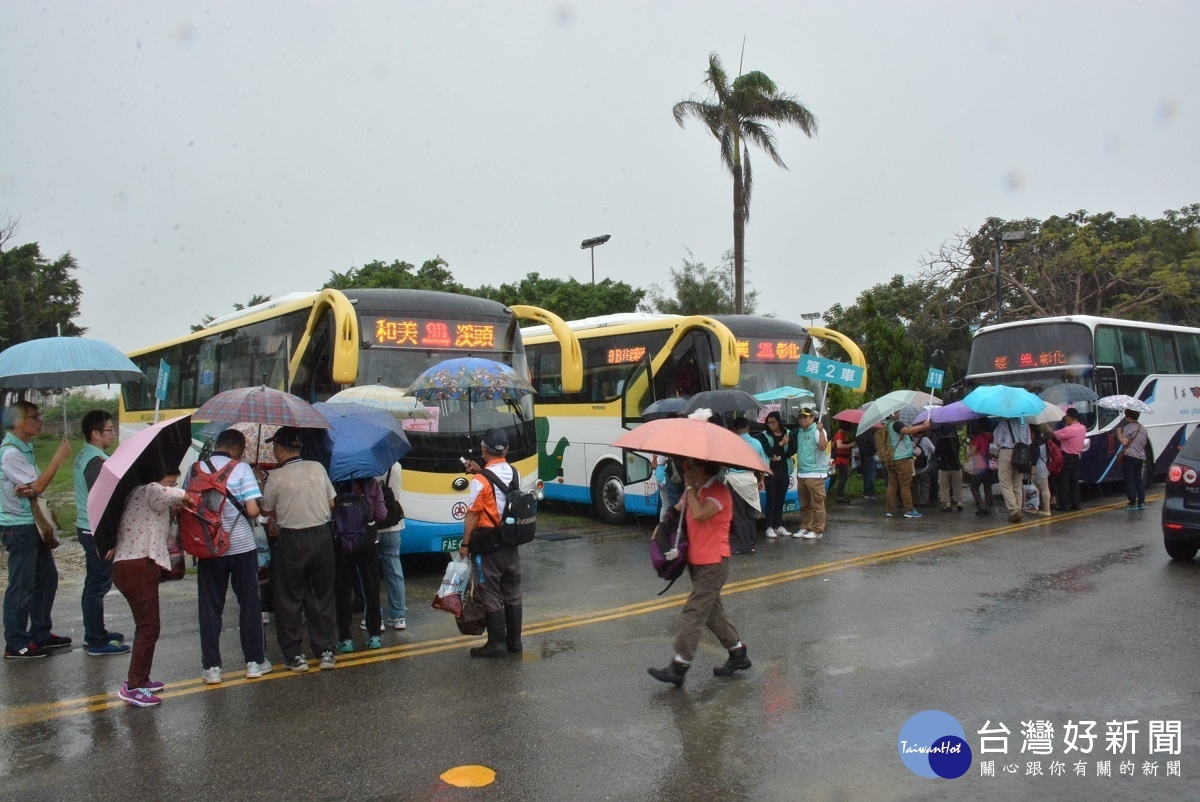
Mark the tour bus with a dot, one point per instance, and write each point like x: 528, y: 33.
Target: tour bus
x: 315, y: 344
x: 1155, y: 363
x: 684, y: 355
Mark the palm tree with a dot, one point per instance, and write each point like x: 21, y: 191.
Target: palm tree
x: 740, y: 112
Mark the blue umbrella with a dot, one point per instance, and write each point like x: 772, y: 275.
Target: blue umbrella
x: 1002, y: 401
x: 58, y: 362
x: 363, y: 442
x: 787, y: 391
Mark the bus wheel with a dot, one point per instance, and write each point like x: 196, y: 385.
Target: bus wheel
x: 608, y: 494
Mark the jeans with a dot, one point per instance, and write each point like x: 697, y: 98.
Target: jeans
x: 138, y: 582
x: 96, y: 584
x: 1135, y: 479
x: 839, y: 489
x: 32, y: 583
x: 982, y: 478
x: 357, y: 573
x: 776, y: 487
x: 393, y: 574
x: 868, y: 473
x: 214, y: 575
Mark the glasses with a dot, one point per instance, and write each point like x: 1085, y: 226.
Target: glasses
x: 109, y: 430
x: 34, y: 416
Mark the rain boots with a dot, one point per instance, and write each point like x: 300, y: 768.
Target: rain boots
x: 495, y: 642
x: 673, y: 673
x: 512, y: 620
x: 738, y: 661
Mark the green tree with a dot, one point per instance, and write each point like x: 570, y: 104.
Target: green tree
x: 736, y: 114
x: 207, y: 320
x: 700, y: 290
x: 40, y: 297
x: 433, y: 274
x: 570, y: 299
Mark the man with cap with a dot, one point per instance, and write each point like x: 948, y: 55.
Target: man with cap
x: 300, y: 494
x: 497, y: 564
x: 811, y: 442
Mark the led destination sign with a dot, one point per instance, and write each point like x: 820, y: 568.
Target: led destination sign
x: 753, y: 350
x: 415, y: 332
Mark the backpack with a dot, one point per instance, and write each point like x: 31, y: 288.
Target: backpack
x: 1022, y: 454
x: 883, y: 445
x: 395, y: 513
x: 201, y: 533
x: 1054, y: 456
x: 518, y: 522
x: 669, y: 547
x: 353, y: 527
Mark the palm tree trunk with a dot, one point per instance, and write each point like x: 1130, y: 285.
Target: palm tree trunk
x: 739, y: 240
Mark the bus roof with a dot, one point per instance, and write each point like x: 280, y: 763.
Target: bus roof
x: 643, y: 319
x: 1091, y: 321
x: 757, y: 326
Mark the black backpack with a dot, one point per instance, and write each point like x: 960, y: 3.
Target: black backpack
x: 395, y: 513
x: 1022, y: 453
x: 352, y: 524
x: 518, y: 521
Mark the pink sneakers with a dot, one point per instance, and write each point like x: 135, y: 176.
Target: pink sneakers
x: 138, y: 697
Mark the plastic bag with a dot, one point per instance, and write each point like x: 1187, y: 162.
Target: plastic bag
x: 454, y: 583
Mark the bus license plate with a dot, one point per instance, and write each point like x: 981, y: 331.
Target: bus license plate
x: 450, y: 544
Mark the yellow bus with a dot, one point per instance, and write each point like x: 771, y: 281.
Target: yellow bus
x: 316, y: 343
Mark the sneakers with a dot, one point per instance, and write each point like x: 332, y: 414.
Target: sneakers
x: 374, y: 642
x: 1131, y: 507
x: 30, y: 652
x: 113, y: 636
x: 344, y: 646
x: 1141, y: 505
x: 913, y: 514
x: 810, y: 535
x: 326, y: 661
x: 396, y: 623
x: 782, y: 532
x: 800, y: 533
x: 154, y: 687
x: 112, y: 647
x: 1044, y: 513
x: 738, y: 661
x: 298, y: 664
x: 1015, y: 517
x: 771, y: 533
x: 255, y: 670
x: 266, y: 618
x: 53, y: 641
x: 138, y: 697
x: 211, y: 676
x: 888, y: 515
x: 363, y: 626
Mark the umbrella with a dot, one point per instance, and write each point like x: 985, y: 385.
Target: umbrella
x: 1068, y: 393
x: 885, y: 405
x: 1050, y: 414
x: 849, y: 415
x: 956, y: 412
x: 59, y: 362
x: 364, y: 442
x: 1003, y: 401
x: 473, y: 378
x: 1125, y: 402
x: 261, y: 405
x: 723, y: 402
x: 665, y: 408
x: 258, y: 450
x: 909, y: 415
x: 141, y: 458
x: 388, y: 399
x: 786, y: 391
x: 697, y: 439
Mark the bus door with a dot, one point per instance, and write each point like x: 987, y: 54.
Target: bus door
x: 1105, y: 379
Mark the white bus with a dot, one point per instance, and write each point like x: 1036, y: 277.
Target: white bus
x: 1155, y: 363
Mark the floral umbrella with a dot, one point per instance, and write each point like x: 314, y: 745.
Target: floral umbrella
x: 471, y: 378
x: 1123, y: 402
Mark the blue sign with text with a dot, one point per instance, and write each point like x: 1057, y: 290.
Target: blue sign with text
x: 164, y: 375
x: 935, y: 378
x: 826, y: 370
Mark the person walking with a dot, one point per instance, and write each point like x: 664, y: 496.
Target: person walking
x: 497, y: 571
x: 706, y: 506
x: 32, y: 574
x: 1134, y: 438
x: 779, y: 447
x: 1071, y: 438
x: 1009, y: 432
x: 811, y: 471
x: 139, y: 560
x: 237, y: 566
x: 99, y: 434
x: 950, y: 468
x: 900, y: 469
x: 301, y: 496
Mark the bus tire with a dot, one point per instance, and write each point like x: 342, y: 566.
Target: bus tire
x: 608, y: 494
x: 1180, y: 551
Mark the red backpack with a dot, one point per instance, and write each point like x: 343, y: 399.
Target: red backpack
x: 201, y: 533
x: 1054, y: 457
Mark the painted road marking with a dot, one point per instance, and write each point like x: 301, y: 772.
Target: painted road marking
x: 32, y: 714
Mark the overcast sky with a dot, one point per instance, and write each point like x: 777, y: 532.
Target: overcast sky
x: 190, y: 155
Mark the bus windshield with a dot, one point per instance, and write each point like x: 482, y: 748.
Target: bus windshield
x: 1056, y: 351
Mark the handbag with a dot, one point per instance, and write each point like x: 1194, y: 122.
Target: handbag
x: 46, y: 520
x: 472, y: 620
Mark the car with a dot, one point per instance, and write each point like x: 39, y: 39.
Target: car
x: 1181, y: 507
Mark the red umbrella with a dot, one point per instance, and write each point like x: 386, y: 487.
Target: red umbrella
x: 139, y: 459
x: 261, y: 405
x: 698, y: 439
x: 849, y: 415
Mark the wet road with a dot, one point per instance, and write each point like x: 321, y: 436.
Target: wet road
x: 1072, y: 618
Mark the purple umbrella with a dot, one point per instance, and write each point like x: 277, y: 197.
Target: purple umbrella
x: 958, y: 412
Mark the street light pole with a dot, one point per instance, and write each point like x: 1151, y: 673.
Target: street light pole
x: 1006, y: 236
x: 590, y: 245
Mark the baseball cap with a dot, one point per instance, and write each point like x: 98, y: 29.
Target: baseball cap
x: 288, y: 436
x: 495, y: 440
x: 807, y: 411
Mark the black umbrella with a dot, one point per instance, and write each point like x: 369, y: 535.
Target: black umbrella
x: 665, y: 408
x: 722, y: 402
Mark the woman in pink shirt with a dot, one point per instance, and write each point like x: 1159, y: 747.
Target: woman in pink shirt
x: 139, y: 561
x: 708, y: 511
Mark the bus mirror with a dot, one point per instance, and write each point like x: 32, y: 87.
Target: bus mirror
x: 637, y: 468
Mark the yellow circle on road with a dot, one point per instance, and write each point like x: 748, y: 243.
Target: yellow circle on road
x: 469, y: 776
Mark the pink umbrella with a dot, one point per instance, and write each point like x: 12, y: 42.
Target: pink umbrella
x: 139, y: 459
x: 849, y: 415
x: 698, y: 439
